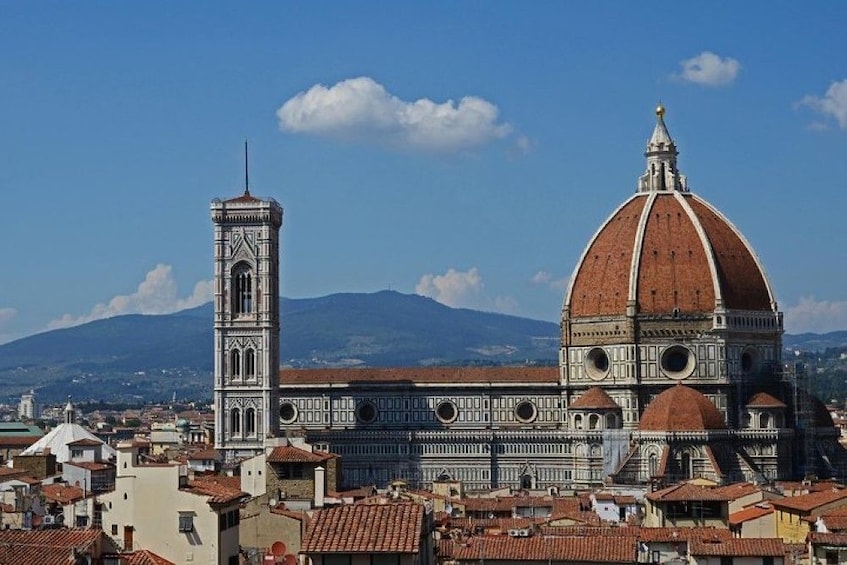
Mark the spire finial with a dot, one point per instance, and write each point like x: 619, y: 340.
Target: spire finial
x: 662, y: 174
x: 660, y: 110
x: 246, y: 171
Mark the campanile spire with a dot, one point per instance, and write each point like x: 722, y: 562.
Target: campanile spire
x: 661, y: 174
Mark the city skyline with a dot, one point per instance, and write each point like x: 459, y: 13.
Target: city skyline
x: 466, y: 152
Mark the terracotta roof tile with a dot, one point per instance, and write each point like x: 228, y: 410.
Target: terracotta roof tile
x: 85, y: 442
x: 749, y: 513
x: 218, y: 488
x: 686, y: 492
x: 737, y: 490
x: 143, y: 557
x: 681, y: 408
x: 18, y: 441
x: 91, y: 465
x: 808, y: 502
x: 666, y: 535
x: 47, y: 547
x: 366, y: 528
x: 737, y: 547
x: 765, y: 400
x: 596, y: 398
x: 62, y: 493
x: 400, y: 375
x: 602, y: 278
x: 828, y: 538
x: 545, y: 549
x: 291, y: 454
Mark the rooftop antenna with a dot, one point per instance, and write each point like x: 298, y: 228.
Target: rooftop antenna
x: 246, y: 172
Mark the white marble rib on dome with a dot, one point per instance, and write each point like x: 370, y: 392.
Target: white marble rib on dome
x: 58, y: 438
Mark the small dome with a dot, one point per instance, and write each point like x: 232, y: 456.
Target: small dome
x: 764, y: 400
x: 681, y: 408
x: 594, y: 398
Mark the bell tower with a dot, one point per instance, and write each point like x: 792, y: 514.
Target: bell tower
x: 246, y: 322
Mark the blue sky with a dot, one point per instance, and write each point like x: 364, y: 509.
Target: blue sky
x: 463, y: 150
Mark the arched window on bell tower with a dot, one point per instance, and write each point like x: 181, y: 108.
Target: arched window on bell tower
x: 249, y: 363
x: 235, y: 422
x: 235, y: 363
x: 250, y: 422
x: 242, y: 295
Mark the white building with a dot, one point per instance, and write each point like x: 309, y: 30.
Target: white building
x: 155, y: 507
x: 29, y: 409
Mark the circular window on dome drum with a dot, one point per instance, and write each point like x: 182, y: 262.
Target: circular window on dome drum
x: 678, y: 362
x: 366, y: 412
x: 446, y: 412
x: 597, y: 363
x: 749, y: 360
x: 525, y: 411
x: 287, y: 412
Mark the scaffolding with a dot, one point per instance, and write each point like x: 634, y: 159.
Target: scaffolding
x: 795, y: 376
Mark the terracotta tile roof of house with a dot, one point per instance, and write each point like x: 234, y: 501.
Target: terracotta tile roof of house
x: 91, y: 465
x: 737, y: 490
x: 835, y: 519
x: 17, y: 441
x: 765, y: 400
x: 401, y: 375
x: 85, y: 442
x: 47, y: 547
x: 203, y: 454
x: 686, y: 492
x: 625, y: 499
x: 806, y: 503
x: 7, y: 474
x: 143, y: 557
x: 668, y: 535
x: 366, y: 528
x: 545, y: 549
x: 749, y: 513
x: 282, y: 510
x: 681, y: 408
x: 62, y: 493
x: 594, y: 398
x: 587, y: 517
x: 218, y: 488
x: 737, y: 547
x: 508, y: 503
x: 582, y: 530
x: 356, y: 493
x: 827, y: 538
x: 291, y: 454
x: 470, y: 524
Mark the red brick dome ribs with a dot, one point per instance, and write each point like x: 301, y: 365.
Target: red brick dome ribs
x: 681, y: 408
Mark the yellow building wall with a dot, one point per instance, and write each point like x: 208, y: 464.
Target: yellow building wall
x: 791, y: 527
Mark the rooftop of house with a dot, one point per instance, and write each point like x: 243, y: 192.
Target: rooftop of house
x: 805, y: 503
x: 737, y: 547
x: 366, y: 528
x: 218, y: 488
x: 580, y: 549
x: 683, y: 492
x: 292, y: 454
x: 47, y: 547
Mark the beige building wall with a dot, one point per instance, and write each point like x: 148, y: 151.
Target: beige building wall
x: 146, y: 506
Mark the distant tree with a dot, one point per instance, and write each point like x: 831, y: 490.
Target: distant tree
x: 110, y: 420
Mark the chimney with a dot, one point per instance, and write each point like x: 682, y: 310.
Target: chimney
x: 320, y: 486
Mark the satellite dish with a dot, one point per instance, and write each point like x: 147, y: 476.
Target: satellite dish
x: 289, y: 559
x: 278, y: 548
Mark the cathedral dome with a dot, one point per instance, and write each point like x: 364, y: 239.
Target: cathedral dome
x: 666, y: 251
x: 681, y: 408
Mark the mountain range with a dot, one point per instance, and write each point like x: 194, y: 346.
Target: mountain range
x: 147, y: 358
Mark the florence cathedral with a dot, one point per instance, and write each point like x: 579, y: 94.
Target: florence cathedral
x: 669, y: 366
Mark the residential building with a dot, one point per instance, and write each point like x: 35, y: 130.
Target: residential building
x: 686, y: 505
x: 795, y: 514
x: 154, y: 506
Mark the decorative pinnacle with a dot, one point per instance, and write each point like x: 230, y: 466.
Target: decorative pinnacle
x: 660, y: 110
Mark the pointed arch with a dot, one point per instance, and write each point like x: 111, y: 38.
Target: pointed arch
x: 250, y: 421
x: 249, y: 363
x: 235, y: 422
x: 235, y: 363
x: 242, y: 293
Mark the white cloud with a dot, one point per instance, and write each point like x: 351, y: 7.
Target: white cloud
x: 464, y: 290
x: 6, y: 315
x: 360, y: 109
x: 708, y: 69
x: 832, y: 104
x: 156, y: 294
x: 811, y: 315
x: 547, y: 279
